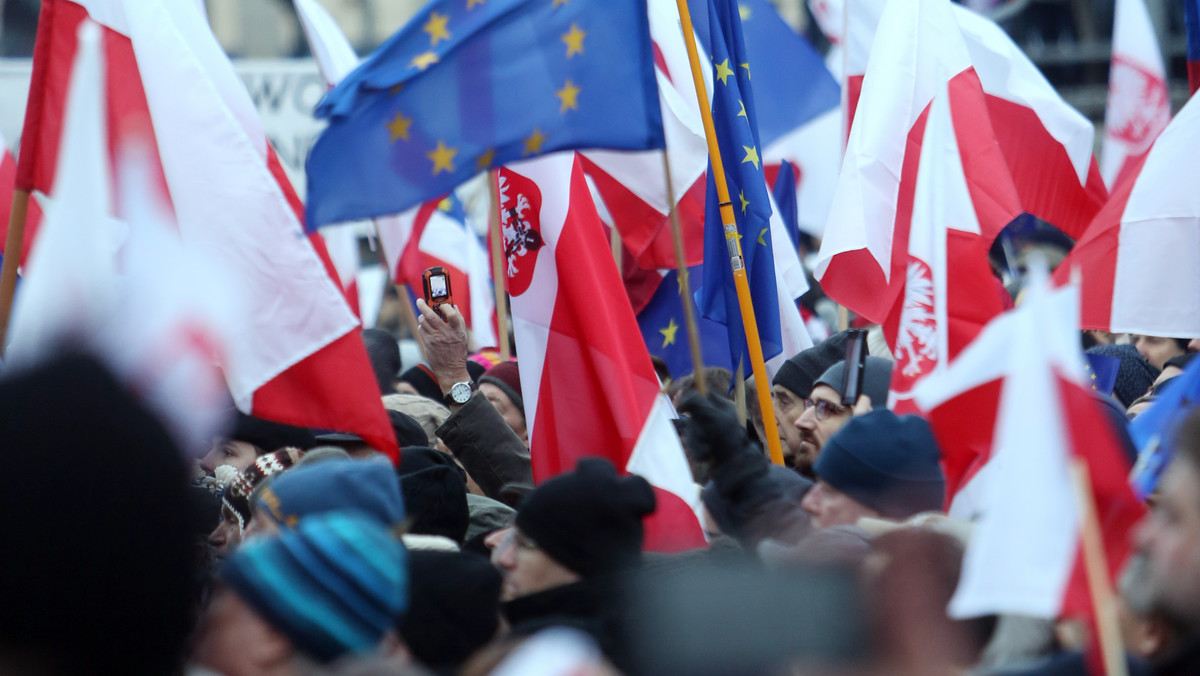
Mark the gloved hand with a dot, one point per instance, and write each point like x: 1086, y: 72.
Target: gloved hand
x: 716, y: 436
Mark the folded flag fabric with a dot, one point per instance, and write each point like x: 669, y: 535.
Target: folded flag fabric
x: 467, y: 86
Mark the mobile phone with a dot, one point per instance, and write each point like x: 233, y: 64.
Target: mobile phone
x: 437, y: 288
x: 856, y: 362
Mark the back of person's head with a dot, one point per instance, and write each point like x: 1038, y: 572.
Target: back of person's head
x: 428, y: 413
x: 886, y: 462
x: 454, y: 607
x: 589, y: 520
x: 716, y: 379
x: 333, y: 585
x: 367, y: 486
x: 435, y: 494
x: 384, y: 354
x: 98, y: 571
x: 268, y: 436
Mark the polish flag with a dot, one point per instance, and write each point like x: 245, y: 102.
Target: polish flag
x: 300, y: 359
x: 949, y: 290
x: 1047, y: 144
x: 437, y: 234
x: 160, y: 315
x: 1140, y: 258
x: 1139, y: 105
x: 335, y: 59
x: 590, y: 388
x: 1024, y: 556
x: 633, y: 185
x: 919, y: 51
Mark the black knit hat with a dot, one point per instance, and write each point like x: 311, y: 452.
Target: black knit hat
x: 589, y: 520
x: 1135, y: 375
x: 422, y: 380
x: 100, y: 562
x: 453, y: 607
x: 886, y: 462
x: 270, y: 436
x: 877, y: 379
x: 384, y: 354
x: 800, y: 372
x: 435, y: 499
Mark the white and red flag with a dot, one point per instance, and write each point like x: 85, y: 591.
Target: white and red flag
x: 1021, y: 383
x: 299, y: 359
x: 949, y: 290
x: 632, y: 185
x: 1139, y: 105
x: 438, y: 233
x: 1140, y: 258
x: 590, y: 388
x: 864, y: 258
x: 160, y: 315
x: 1046, y: 144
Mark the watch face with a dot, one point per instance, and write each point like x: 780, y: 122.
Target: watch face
x: 460, y: 392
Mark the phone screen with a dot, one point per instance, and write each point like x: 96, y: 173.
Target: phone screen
x: 437, y: 286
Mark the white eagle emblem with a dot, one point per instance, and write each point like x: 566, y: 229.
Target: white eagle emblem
x: 1140, y: 107
x: 916, y: 340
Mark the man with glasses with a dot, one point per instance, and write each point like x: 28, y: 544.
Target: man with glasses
x: 824, y: 413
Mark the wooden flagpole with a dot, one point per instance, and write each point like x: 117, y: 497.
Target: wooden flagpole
x: 498, y: 272
x: 728, y: 220
x: 1104, y: 601
x: 13, y: 246
x: 685, y: 285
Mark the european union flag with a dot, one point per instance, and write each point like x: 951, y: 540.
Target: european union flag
x: 797, y: 87
x: 664, y: 330
x: 784, y: 192
x: 469, y: 85
x: 737, y: 136
x: 1102, y: 372
x: 1153, y: 429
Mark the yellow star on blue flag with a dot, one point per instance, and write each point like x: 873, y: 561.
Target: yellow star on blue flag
x: 468, y: 85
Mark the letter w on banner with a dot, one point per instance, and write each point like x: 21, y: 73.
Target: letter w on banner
x: 300, y: 359
x: 590, y: 389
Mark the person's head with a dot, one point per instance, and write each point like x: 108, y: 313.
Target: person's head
x: 1147, y: 632
x: 1135, y: 374
x: 252, y: 437
x: 235, y: 499
x: 384, y: 354
x: 716, y: 379
x: 100, y: 558
x: 878, y: 465
x: 501, y: 385
x: 1170, y: 536
x: 407, y: 430
x: 435, y: 493
x: 327, y: 589
x: 454, y: 607
x: 824, y: 413
x: 1157, y: 349
x: 366, y: 486
x: 793, y: 383
x: 419, y: 380
x: 429, y: 414
x: 583, y: 524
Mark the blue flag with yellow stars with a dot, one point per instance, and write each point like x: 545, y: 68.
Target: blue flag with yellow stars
x: 737, y: 136
x: 1101, y: 372
x: 468, y: 85
x: 1154, y: 430
x: 665, y: 331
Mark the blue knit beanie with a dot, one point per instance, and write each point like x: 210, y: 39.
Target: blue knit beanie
x: 885, y: 462
x: 333, y: 585
x: 368, y: 486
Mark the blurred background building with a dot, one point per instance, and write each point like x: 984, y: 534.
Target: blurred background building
x: 1068, y: 39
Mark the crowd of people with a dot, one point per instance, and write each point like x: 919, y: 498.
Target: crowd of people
x: 292, y: 551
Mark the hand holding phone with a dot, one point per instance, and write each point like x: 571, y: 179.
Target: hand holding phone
x: 436, y: 282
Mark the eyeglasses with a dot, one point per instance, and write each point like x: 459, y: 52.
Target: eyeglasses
x: 825, y: 409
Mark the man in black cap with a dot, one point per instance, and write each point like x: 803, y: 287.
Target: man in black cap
x: 878, y: 465
x: 252, y: 437
x: 575, y: 535
x: 824, y: 413
x: 793, y: 383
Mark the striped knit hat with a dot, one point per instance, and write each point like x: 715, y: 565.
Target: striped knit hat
x: 334, y: 585
x: 237, y: 494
